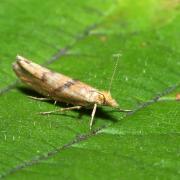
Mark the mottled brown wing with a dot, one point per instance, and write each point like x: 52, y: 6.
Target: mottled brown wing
x: 54, y: 85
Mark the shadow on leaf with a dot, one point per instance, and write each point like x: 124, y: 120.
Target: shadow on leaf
x: 100, y: 113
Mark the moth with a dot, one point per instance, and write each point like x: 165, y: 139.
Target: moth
x: 58, y: 87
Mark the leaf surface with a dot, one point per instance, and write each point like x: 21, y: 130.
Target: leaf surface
x: 79, y: 39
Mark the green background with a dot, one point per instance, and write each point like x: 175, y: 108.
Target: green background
x: 79, y: 38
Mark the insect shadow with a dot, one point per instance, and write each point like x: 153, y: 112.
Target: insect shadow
x: 104, y: 115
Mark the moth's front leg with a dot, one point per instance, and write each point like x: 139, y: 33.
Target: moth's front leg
x: 92, y: 116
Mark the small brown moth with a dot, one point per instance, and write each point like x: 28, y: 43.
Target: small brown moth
x: 61, y: 88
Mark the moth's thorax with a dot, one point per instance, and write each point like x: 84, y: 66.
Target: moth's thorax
x: 104, y: 98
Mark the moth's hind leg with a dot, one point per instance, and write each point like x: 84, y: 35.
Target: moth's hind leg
x: 61, y: 110
x: 42, y: 99
x: 39, y: 99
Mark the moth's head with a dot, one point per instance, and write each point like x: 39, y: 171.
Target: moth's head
x: 106, y: 99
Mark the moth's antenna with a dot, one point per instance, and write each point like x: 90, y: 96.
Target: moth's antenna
x: 117, y: 56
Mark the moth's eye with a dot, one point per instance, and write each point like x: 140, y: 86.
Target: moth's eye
x: 102, y: 98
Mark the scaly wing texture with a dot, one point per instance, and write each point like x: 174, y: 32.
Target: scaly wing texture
x: 54, y: 85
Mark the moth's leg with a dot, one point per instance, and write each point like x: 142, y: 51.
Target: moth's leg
x: 39, y: 99
x: 61, y: 110
x: 42, y: 99
x: 92, y: 115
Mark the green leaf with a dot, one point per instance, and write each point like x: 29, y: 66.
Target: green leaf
x: 79, y: 39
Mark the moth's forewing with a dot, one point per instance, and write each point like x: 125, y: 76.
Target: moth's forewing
x: 54, y: 85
